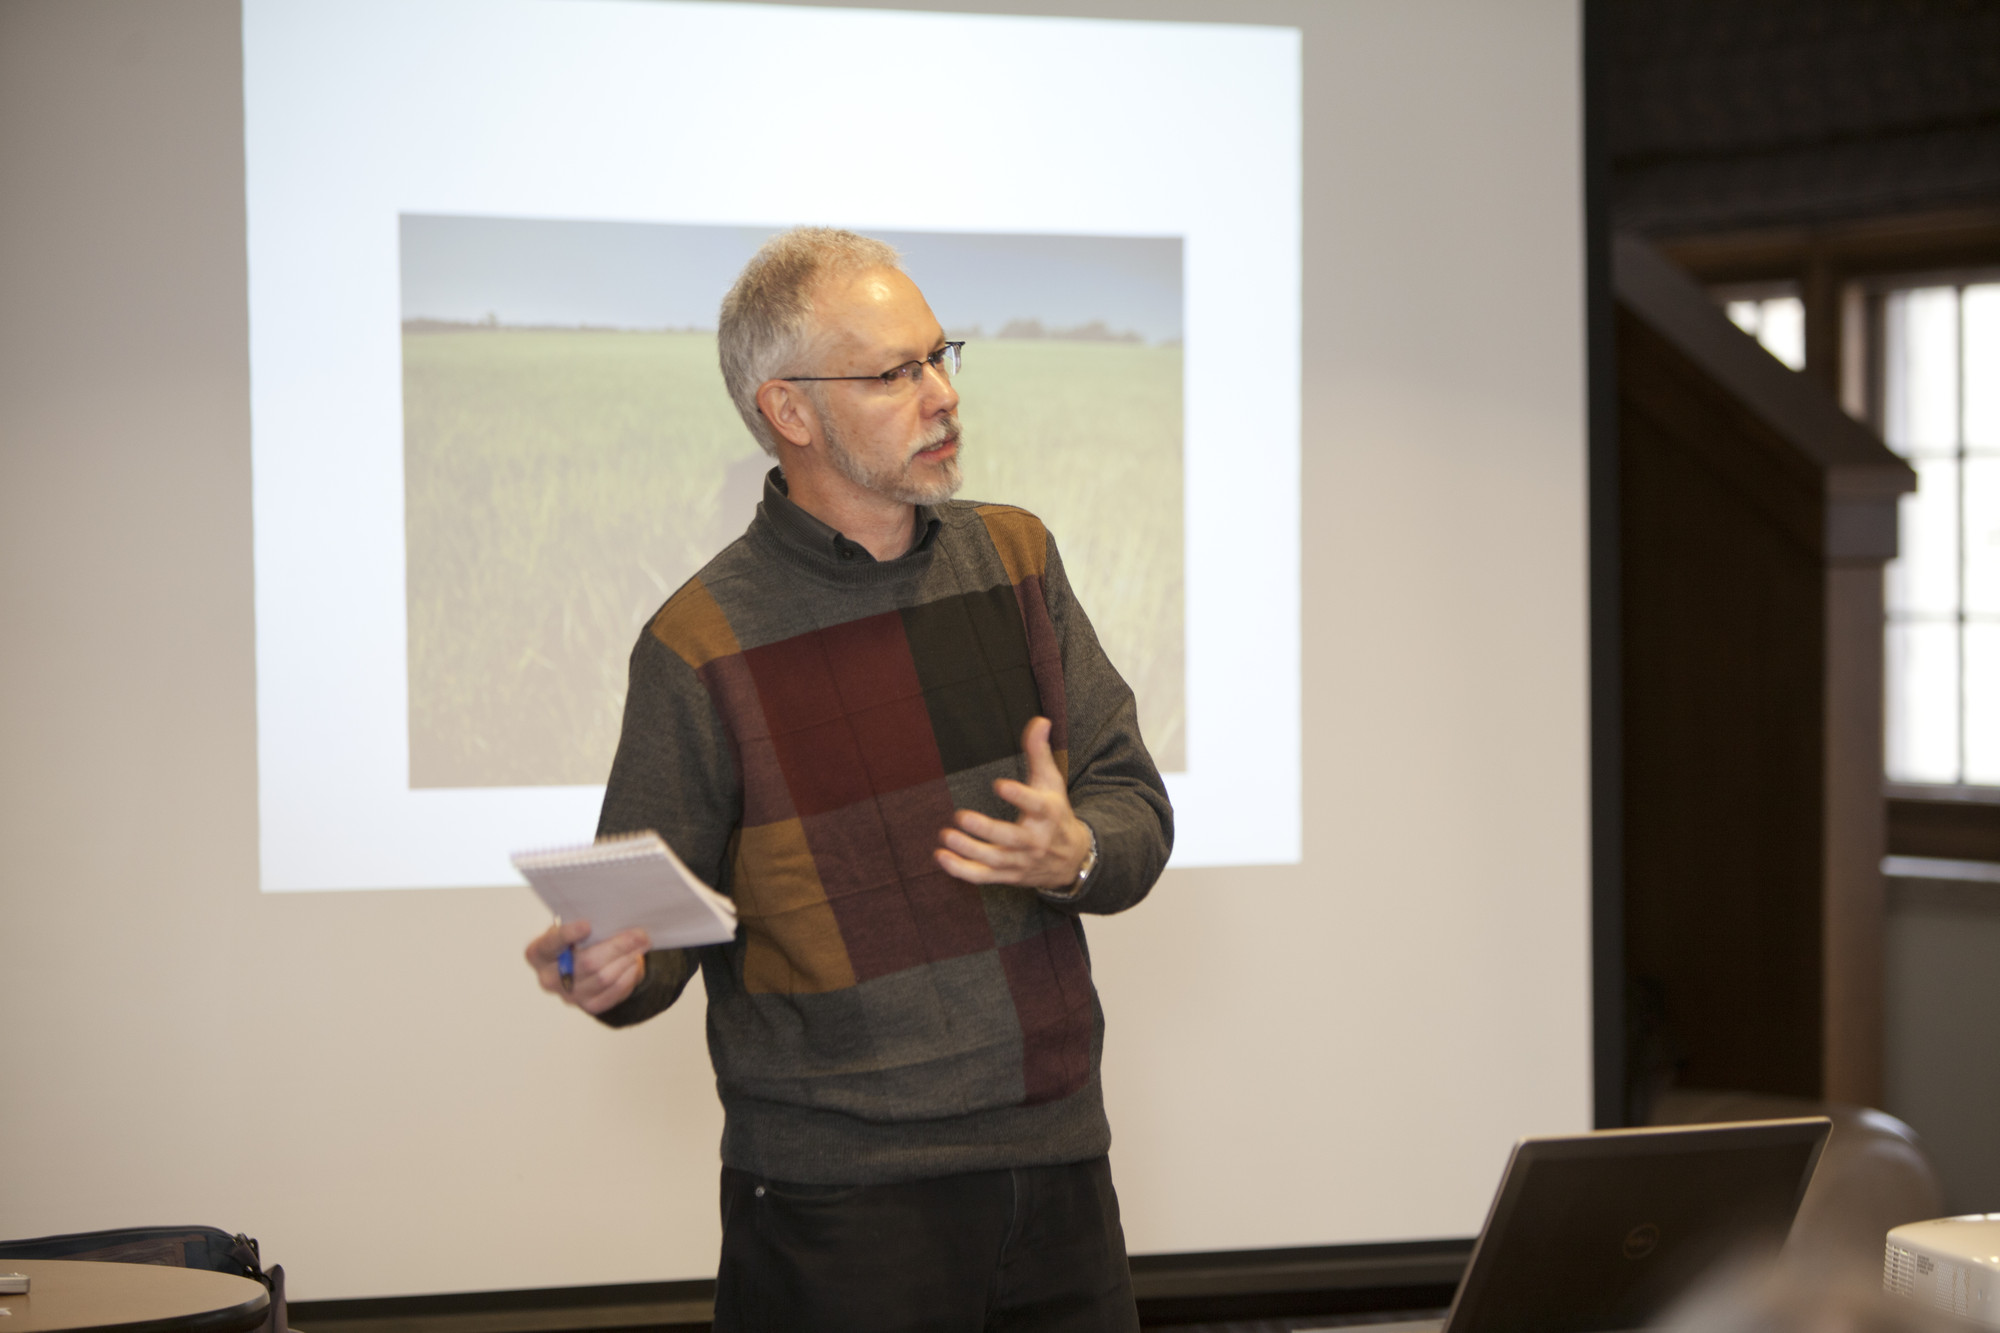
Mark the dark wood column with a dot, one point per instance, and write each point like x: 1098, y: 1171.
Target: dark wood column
x: 1756, y: 519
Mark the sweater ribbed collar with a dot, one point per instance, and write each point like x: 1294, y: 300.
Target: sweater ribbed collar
x: 821, y: 546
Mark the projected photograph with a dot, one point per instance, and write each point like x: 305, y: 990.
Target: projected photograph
x: 570, y: 458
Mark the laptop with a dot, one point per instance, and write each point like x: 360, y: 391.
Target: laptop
x: 1599, y: 1233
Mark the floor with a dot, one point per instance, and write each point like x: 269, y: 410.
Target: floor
x: 1298, y: 1323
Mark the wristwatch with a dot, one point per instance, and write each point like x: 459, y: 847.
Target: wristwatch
x: 1083, y: 872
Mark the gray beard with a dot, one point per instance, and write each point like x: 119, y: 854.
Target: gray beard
x: 893, y: 482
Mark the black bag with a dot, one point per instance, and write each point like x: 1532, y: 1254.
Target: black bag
x: 173, y: 1247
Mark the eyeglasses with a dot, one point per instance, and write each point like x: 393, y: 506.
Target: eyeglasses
x: 945, y: 361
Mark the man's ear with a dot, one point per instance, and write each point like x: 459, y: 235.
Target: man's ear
x: 789, y: 411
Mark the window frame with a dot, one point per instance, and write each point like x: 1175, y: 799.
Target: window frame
x: 1842, y: 271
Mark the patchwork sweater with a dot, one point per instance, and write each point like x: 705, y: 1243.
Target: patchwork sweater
x: 800, y: 724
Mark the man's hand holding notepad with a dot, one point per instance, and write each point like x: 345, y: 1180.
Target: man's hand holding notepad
x: 631, y: 881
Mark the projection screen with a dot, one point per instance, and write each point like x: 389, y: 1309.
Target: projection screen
x: 362, y: 384
x: 547, y: 118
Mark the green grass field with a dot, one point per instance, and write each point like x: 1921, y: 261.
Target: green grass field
x: 559, y: 485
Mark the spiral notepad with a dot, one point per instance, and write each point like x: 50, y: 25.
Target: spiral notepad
x: 625, y: 882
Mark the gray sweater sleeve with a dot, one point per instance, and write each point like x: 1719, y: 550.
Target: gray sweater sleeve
x: 1114, y: 786
x: 675, y: 774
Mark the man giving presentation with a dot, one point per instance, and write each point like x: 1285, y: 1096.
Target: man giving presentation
x: 881, y: 723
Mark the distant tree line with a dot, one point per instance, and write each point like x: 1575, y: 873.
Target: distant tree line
x: 492, y: 323
x: 1096, y: 331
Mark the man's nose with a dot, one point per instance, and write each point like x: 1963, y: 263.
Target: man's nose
x: 940, y: 394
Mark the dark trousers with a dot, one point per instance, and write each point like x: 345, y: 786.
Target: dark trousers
x: 1033, y: 1248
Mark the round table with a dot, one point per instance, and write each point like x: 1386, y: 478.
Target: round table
x: 70, y: 1295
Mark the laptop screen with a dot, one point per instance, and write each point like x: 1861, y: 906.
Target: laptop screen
x: 1602, y: 1231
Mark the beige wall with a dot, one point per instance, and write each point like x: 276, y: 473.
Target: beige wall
x: 1320, y: 1053
x: 1942, y: 1070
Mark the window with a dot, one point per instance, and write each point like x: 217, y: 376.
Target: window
x: 1940, y: 408
x: 1774, y: 316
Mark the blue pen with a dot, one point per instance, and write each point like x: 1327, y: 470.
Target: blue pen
x: 566, y: 969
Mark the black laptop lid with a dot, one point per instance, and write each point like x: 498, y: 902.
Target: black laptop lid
x: 1602, y: 1231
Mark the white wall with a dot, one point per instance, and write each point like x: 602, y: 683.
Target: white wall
x: 1363, y: 1032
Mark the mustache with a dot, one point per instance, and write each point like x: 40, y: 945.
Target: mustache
x: 944, y: 431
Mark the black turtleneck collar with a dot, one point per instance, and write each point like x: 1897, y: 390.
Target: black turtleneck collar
x: 801, y: 530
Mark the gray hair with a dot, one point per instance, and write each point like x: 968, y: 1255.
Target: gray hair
x: 768, y: 313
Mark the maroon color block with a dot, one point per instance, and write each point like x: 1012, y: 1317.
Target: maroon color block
x: 1051, y: 989
x: 880, y: 932
x: 765, y: 797
x: 950, y: 914
x: 823, y: 767
x: 734, y: 691
x: 898, y: 747
x: 794, y: 682
x: 911, y: 923
x: 870, y: 660
x: 850, y: 850
x: 913, y: 819
x: 846, y: 713
x: 896, y: 909
x: 1045, y: 658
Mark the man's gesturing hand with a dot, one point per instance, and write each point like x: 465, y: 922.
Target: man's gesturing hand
x: 1042, y: 849
x: 604, y: 974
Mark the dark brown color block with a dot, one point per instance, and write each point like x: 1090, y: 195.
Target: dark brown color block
x: 1045, y: 656
x: 972, y: 654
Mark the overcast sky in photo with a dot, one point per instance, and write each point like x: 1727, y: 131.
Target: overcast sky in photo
x: 662, y: 275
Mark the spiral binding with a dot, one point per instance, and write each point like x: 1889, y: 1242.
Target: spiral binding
x: 624, y: 847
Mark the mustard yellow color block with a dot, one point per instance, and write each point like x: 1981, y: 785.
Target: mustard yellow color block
x: 792, y: 941
x: 1020, y: 538
x: 693, y: 626
x: 800, y: 953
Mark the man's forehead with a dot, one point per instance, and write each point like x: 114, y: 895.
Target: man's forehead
x: 875, y: 308
x: 880, y: 286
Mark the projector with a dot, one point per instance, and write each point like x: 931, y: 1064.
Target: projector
x: 1952, y: 1264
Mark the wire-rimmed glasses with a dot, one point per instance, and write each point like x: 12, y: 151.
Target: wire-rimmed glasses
x: 945, y: 361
